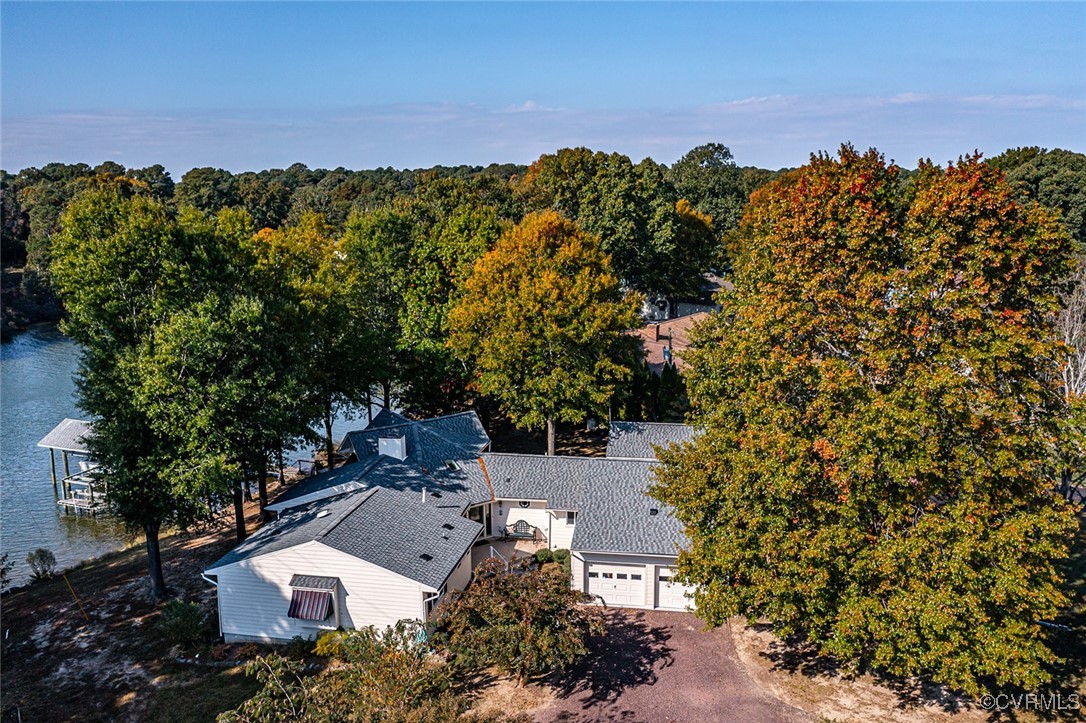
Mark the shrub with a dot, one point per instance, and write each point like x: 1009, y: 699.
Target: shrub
x: 544, y: 556
x: 43, y: 564
x: 523, y: 622
x: 5, y: 571
x: 181, y: 622
x: 562, y: 558
x: 298, y: 648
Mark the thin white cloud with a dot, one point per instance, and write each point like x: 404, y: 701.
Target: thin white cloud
x: 768, y: 131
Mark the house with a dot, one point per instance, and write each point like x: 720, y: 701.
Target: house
x: 384, y: 537
x: 665, y: 341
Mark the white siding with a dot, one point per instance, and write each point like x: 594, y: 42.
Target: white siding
x: 561, y: 531
x: 461, y: 576
x: 254, y: 594
x: 510, y: 511
x: 576, y: 569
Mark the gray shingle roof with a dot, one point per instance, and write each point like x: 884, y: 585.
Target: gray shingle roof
x: 69, y: 436
x: 613, y: 511
x: 636, y: 440
x: 390, y: 528
x: 386, y: 418
x: 397, y: 531
x: 314, y: 582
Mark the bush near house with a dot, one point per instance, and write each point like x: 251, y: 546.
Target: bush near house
x: 523, y: 622
x: 380, y: 676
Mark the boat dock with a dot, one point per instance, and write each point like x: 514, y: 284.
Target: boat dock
x: 83, y: 490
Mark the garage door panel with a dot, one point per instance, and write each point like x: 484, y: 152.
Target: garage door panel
x: 621, y: 585
x: 670, y: 594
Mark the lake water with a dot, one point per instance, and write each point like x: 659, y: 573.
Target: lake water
x: 37, y: 390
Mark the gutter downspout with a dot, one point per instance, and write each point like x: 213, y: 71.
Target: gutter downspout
x: 216, y: 584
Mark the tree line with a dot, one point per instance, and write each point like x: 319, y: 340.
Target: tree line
x: 211, y: 341
x: 891, y: 398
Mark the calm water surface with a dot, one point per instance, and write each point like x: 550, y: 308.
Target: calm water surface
x: 37, y: 390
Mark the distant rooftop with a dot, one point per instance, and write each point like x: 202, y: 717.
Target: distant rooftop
x: 638, y: 440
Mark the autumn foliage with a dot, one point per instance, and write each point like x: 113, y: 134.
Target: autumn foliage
x: 542, y: 318
x: 878, y: 406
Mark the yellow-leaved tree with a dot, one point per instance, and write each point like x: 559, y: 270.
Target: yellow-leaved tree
x: 543, y: 321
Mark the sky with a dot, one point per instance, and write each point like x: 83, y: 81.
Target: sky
x: 255, y: 85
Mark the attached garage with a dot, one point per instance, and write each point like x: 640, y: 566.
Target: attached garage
x: 671, y: 595
x: 618, y: 585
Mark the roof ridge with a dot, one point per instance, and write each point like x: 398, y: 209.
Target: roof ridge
x: 567, y: 456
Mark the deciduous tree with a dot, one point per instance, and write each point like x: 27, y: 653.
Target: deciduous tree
x: 122, y: 266
x: 878, y: 412
x: 543, y: 320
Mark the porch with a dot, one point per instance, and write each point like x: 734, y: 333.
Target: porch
x: 507, y: 549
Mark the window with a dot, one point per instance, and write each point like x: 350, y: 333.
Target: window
x: 621, y: 575
x: 593, y: 575
x: 635, y: 577
x: 571, y: 517
x: 608, y: 576
x: 664, y: 577
x: 310, y: 605
x: 312, y: 597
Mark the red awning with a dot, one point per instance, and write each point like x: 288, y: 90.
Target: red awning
x: 310, y: 604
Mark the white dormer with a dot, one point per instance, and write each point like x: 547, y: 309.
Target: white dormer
x: 395, y: 447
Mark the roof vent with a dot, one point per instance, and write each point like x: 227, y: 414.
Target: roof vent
x: 451, y: 464
x: 323, y: 513
x: 447, y: 526
x: 395, y: 447
x: 426, y: 557
x: 654, y: 511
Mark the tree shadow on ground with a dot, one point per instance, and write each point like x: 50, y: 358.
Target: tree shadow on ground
x: 801, y: 657
x: 629, y: 655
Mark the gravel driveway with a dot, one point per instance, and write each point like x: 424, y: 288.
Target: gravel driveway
x: 656, y: 666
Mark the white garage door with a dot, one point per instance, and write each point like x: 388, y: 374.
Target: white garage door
x: 671, y: 595
x: 620, y: 585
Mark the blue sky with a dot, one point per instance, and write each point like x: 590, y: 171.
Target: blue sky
x: 252, y: 85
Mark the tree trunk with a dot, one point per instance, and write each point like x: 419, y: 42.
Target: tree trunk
x: 239, y: 510
x: 386, y: 389
x: 369, y: 406
x: 550, y: 436
x: 154, y: 561
x: 282, y: 472
x: 328, y: 434
x: 262, y: 486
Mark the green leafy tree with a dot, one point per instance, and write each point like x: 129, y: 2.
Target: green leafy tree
x: 708, y: 178
x: 377, y: 248
x: 433, y: 381
x: 631, y: 208
x: 122, y: 266
x: 1054, y: 178
x: 543, y: 320
x: 329, y: 331
x: 877, y: 414
x: 208, y: 189
x: 522, y: 622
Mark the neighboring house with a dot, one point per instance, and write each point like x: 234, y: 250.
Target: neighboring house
x: 665, y: 341
x: 384, y: 537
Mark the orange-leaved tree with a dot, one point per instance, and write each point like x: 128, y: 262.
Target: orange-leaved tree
x: 878, y: 407
x: 542, y: 318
